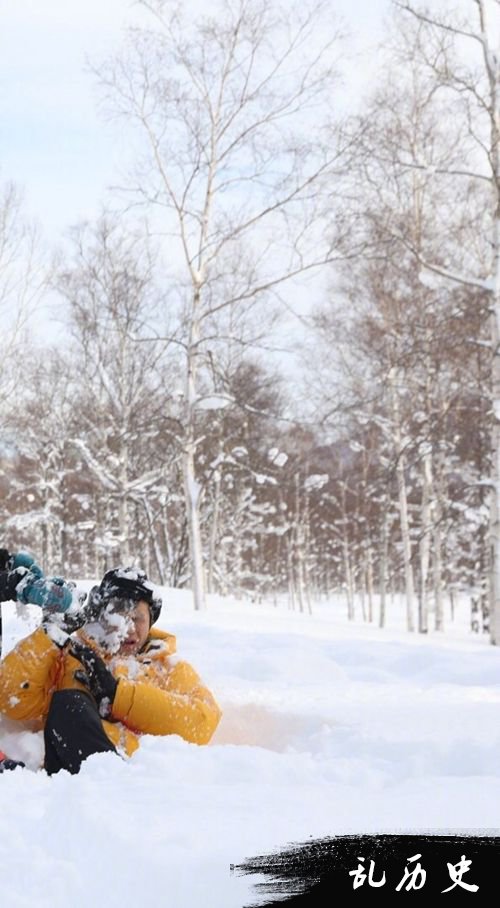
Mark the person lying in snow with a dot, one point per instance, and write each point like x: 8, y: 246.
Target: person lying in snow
x: 100, y: 688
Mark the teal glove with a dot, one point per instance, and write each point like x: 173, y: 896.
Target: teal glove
x: 52, y: 594
x: 24, y: 559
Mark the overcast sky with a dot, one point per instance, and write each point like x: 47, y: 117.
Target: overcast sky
x: 52, y: 140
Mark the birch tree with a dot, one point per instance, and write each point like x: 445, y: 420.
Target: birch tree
x: 23, y: 278
x: 233, y: 110
x: 240, y: 477
x: 465, y: 67
x: 44, y: 474
x: 121, y: 381
x: 417, y: 327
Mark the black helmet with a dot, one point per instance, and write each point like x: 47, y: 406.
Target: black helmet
x: 129, y: 584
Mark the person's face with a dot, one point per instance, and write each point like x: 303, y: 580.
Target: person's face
x: 134, y: 629
x: 139, y: 621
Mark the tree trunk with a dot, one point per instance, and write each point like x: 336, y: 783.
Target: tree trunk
x: 214, y: 534
x: 348, y: 578
x: 290, y: 571
x: 298, y: 547
x: 191, y: 486
x: 384, y: 552
x: 369, y: 582
x: 123, y: 515
x: 425, y: 541
x: 437, y: 560
x: 495, y: 439
x: 403, y: 506
x: 160, y: 563
x: 362, y: 589
x: 192, y: 494
x: 124, y: 530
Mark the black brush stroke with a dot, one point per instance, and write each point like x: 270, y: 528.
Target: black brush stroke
x: 317, y: 872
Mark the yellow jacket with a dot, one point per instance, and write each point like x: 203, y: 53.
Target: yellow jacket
x: 156, y: 695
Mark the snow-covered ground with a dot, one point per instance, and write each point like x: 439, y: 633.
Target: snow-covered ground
x: 328, y: 728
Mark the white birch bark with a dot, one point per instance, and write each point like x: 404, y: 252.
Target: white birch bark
x: 153, y: 537
x: 349, y: 582
x: 426, y: 535
x: 383, y: 566
x: 369, y: 582
x: 403, y: 502
x: 214, y: 533
x: 467, y: 83
x: 220, y: 100
x: 437, y: 544
x: 495, y: 503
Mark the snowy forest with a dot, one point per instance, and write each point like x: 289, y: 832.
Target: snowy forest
x: 189, y: 422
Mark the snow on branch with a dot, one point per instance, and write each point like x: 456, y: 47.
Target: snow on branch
x: 144, y: 482
x: 315, y: 481
x: 454, y: 276
x: 485, y: 284
x: 213, y: 402
x: 106, y: 479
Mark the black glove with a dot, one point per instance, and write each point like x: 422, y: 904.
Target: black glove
x: 7, y: 763
x: 59, y: 625
x: 96, y: 677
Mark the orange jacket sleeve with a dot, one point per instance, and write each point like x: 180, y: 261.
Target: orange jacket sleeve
x: 182, y: 707
x: 27, y: 677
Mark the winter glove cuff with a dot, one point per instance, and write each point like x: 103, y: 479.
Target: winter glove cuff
x: 96, y: 677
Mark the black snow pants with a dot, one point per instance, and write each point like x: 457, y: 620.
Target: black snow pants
x: 73, y: 731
